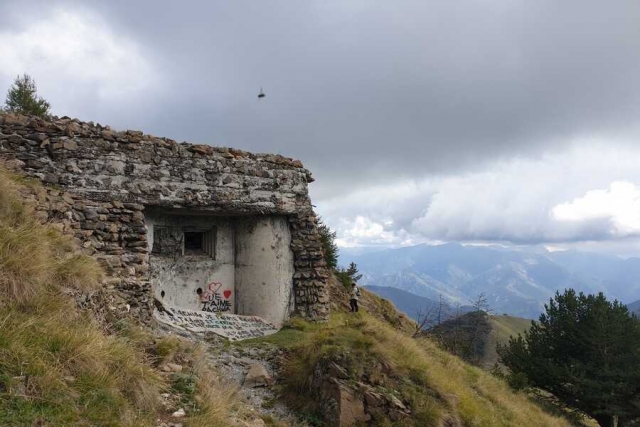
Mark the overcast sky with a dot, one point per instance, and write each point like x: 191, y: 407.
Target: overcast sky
x: 513, y: 122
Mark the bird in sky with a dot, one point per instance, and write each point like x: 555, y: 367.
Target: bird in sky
x: 261, y: 94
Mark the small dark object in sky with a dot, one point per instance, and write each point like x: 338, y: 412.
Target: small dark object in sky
x: 261, y: 94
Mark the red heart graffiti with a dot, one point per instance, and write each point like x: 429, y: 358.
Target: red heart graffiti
x: 226, y: 294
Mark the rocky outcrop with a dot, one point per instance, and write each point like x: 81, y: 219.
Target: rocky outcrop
x: 100, y: 181
x: 347, y: 401
x: 342, y: 405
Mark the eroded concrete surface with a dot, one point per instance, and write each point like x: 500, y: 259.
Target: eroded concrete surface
x: 264, y: 268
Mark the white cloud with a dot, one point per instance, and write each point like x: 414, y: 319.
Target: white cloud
x: 75, y: 58
x: 363, y: 231
x: 515, y: 201
x: 619, y: 205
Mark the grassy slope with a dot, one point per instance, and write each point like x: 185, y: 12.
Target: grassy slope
x: 437, y: 385
x: 506, y: 326
x: 502, y: 327
x: 57, y: 366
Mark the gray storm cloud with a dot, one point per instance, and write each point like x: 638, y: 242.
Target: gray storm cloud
x: 368, y: 94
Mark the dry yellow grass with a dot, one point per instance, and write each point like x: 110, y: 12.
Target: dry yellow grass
x: 436, y: 384
x: 57, y: 366
x: 33, y: 257
x: 215, y: 399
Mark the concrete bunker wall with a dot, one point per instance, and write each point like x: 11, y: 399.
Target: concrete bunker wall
x: 220, y: 264
x: 264, y: 268
x: 106, y: 188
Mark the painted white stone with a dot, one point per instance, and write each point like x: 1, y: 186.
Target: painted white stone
x: 231, y: 326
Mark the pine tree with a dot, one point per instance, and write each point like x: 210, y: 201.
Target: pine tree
x: 352, y: 272
x: 585, y: 351
x: 329, y: 247
x: 22, y: 98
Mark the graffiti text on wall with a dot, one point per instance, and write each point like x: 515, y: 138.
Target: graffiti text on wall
x: 213, y: 301
x: 230, y: 326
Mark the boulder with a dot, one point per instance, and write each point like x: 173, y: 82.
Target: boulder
x: 397, y: 404
x: 257, y: 376
x: 374, y: 399
x: 337, y: 371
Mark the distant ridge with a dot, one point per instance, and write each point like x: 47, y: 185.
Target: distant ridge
x: 516, y: 281
x: 634, y: 307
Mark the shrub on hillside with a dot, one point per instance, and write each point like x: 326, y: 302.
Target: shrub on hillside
x: 465, y: 336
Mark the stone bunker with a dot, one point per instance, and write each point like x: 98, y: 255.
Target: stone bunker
x: 201, y: 228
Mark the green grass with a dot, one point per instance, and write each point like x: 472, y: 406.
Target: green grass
x: 289, y: 336
x: 74, y: 374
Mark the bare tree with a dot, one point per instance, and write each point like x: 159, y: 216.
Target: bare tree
x: 424, y: 318
x: 443, y: 308
x: 456, y: 327
x: 481, y: 303
x: 480, y: 326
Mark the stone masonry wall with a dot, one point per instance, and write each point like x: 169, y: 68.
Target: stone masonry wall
x: 99, y: 182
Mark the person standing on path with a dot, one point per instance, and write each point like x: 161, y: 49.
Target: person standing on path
x: 355, y: 294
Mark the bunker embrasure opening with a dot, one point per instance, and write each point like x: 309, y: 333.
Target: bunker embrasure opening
x: 221, y: 264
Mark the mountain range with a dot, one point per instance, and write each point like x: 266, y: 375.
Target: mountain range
x: 515, y: 281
